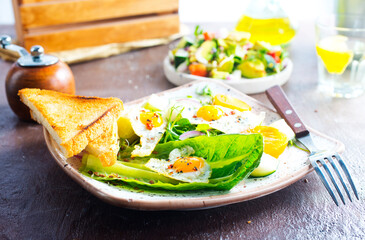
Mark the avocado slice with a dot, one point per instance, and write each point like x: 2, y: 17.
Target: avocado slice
x: 226, y: 65
x: 222, y: 43
x: 204, y: 53
x: 238, y: 37
x: 261, y: 45
x: 239, y: 51
x: 219, y: 74
x: 252, y: 54
x: 252, y: 68
x: 125, y: 129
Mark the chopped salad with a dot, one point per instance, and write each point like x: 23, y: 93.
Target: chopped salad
x: 226, y: 56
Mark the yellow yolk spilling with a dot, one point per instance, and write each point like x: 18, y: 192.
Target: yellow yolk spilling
x: 187, y: 164
x: 209, y: 113
x: 151, y: 119
x: 182, y: 167
x: 275, y: 142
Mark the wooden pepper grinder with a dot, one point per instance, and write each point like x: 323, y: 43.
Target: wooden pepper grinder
x: 34, y: 70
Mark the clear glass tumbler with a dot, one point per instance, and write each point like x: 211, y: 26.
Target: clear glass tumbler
x: 340, y: 45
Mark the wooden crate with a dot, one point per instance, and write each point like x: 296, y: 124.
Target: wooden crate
x: 69, y: 24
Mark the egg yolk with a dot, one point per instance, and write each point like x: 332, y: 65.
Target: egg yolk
x: 275, y: 141
x: 209, y: 113
x: 151, y: 119
x: 231, y: 102
x: 188, y: 164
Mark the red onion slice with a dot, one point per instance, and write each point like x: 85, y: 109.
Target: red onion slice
x: 190, y: 134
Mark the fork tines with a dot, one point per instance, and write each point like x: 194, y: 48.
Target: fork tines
x: 330, y: 158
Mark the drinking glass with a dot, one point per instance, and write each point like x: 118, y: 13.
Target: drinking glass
x: 340, y: 45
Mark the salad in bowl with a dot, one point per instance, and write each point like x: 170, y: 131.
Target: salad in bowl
x: 229, y: 57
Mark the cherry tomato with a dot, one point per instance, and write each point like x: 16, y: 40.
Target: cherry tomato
x: 275, y: 56
x: 208, y: 36
x: 198, y: 69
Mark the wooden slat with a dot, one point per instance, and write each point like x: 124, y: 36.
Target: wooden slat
x: 38, y: 1
x: 18, y: 23
x: 76, y: 11
x: 95, y: 34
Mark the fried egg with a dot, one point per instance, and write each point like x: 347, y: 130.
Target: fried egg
x: 149, y: 126
x: 221, y: 118
x: 181, y: 166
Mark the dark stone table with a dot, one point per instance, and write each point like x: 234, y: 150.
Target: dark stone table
x: 39, y: 201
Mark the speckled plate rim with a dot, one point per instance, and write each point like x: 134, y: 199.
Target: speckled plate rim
x: 182, y: 203
x: 248, y: 86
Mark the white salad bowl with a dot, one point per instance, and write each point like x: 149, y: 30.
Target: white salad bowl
x: 293, y: 165
x: 245, y: 85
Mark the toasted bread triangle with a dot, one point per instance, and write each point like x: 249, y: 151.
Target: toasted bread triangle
x: 73, y: 121
x: 106, y: 146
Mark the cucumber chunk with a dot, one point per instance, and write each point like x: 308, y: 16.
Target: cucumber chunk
x: 181, y: 56
x: 268, y: 165
x: 185, y: 42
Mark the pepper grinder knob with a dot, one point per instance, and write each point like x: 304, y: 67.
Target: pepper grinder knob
x: 5, y: 40
x: 37, y: 51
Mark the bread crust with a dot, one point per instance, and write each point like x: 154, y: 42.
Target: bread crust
x: 73, y: 121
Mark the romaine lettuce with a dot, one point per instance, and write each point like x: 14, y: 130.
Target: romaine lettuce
x: 232, y: 157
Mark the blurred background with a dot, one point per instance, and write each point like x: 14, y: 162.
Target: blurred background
x: 224, y: 11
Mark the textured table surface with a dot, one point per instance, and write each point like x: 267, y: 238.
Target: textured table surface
x: 39, y: 201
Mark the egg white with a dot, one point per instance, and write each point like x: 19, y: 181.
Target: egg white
x: 148, y: 138
x: 232, y: 121
x: 161, y: 166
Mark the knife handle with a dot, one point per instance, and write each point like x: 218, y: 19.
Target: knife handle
x: 281, y: 103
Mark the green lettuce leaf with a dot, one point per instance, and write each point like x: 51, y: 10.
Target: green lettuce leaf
x: 232, y: 157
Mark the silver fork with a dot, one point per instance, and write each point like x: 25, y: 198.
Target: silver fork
x: 317, y: 157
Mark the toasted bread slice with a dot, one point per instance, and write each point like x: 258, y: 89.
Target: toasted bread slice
x: 106, y: 146
x: 73, y: 121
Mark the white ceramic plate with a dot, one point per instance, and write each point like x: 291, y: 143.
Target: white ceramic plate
x: 293, y: 166
x: 248, y: 86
